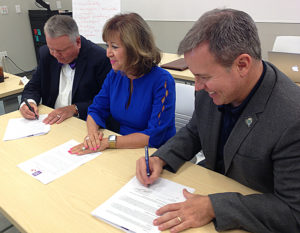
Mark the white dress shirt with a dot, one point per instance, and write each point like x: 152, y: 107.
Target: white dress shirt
x: 64, y: 97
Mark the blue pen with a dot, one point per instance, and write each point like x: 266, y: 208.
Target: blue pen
x: 147, y: 160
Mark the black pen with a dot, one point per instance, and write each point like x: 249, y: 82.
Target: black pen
x: 147, y: 160
x: 30, y: 108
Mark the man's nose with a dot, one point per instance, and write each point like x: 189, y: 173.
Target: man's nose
x: 54, y: 53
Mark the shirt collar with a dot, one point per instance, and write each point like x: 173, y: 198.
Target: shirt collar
x: 72, y: 64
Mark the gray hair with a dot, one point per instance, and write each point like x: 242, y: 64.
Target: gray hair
x: 61, y: 25
x: 229, y: 33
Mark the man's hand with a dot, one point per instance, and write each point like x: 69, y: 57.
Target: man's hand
x: 156, y: 166
x: 59, y: 115
x: 196, y: 211
x: 26, y: 113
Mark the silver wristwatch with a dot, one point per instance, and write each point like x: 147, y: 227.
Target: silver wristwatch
x: 112, y: 139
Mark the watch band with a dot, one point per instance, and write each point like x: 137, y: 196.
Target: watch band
x: 112, y: 139
x: 76, y: 111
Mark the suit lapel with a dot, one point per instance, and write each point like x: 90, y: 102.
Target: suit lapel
x: 55, y: 77
x: 211, y: 141
x: 249, y: 117
x: 240, y: 131
x: 80, y: 67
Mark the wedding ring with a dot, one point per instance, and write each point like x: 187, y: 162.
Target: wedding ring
x: 87, y: 138
x: 58, y: 116
x: 179, y: 219
x: 83, y: 148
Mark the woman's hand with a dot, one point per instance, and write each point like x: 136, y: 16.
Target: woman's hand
x: 82, y: 149
x: 93, y: 140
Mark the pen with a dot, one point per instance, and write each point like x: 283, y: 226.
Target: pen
x: 30, y: 108
x: 147, y: 160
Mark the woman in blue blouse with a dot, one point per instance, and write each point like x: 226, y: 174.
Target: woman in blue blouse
x: 137, y: 93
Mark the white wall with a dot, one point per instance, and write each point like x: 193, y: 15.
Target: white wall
x: 15, y: 33
x: 190, y: 10
x: 16, y: 38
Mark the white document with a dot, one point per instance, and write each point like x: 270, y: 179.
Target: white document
x: 55, y: 163
x: 24, y: 80
x: 21, y: 128
x: 133, y: 207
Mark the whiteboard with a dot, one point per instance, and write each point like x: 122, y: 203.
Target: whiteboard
x: 91, y: 15
x: 287, y: 11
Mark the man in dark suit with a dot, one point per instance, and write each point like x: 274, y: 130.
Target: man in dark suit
x: 246, y: 121
x: 70, y: 72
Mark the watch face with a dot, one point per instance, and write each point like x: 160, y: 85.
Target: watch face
x: 112, y: 137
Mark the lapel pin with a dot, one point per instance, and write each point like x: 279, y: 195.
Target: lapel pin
x: 249, y: 121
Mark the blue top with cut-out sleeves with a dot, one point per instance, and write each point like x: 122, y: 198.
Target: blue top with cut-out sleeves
x: 151, y: 110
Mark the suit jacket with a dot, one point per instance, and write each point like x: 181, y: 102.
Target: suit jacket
x: 92, y: 65
x: 262, y: 152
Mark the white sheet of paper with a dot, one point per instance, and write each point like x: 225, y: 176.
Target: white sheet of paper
x: 55, y: 163
x: 21, y: 128
x: 24, y: 80
x: 132, y: 208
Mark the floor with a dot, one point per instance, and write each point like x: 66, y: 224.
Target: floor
x: 6, y: 226
x: 9, y: 104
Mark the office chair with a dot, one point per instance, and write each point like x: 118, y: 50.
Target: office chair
x: 185, y: 96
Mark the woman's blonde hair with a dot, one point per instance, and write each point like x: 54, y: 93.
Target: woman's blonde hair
x: 138, y: 40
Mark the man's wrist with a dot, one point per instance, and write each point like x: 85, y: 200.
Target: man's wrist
x: 161, y: 161
x: 211, y: 211
x: 29, y: 101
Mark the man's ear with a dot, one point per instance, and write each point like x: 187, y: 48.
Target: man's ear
x: 243, y: 63
x: 78, y: 42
